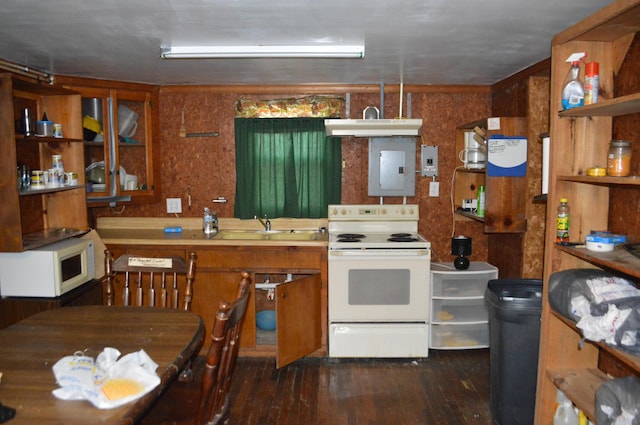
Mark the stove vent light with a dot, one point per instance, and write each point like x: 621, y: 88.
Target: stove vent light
x: 461, y: 248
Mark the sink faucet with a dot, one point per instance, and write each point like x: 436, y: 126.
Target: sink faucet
x: 266, y: 223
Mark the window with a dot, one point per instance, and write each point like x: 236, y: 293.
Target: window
x: 286, y: 167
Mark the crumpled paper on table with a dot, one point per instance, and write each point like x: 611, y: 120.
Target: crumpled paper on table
x: 82, y: 378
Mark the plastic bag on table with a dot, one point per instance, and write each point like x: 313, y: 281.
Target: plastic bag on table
x: 107, y: 382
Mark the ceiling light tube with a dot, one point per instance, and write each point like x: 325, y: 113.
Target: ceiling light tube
x: 262, y: 51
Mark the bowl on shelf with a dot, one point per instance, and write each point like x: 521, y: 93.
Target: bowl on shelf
x: 266, y: 320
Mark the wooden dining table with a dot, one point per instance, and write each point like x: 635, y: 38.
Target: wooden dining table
x: 29, y: 349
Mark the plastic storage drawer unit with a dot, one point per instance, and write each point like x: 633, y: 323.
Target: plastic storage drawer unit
x: 459, y: 316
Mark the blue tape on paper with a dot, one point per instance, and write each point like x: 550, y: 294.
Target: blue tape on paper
x: 173, y: 229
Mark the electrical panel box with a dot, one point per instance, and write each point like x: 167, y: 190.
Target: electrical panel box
x: 392, y: 166
x: 429, y: 162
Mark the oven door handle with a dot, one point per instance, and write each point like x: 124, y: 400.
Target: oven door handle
x: 378, y: 253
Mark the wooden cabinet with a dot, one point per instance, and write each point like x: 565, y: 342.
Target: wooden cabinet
x: 505, y: 196
x: 14, y: 309
x: 579, y: 140
x: 33, y: 218
x: 126, y: 114
x: 300, y: 304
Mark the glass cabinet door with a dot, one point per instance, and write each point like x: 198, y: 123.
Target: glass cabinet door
x: 117, y: 134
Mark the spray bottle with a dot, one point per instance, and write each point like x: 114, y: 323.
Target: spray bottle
x: 565, y: 413
x: 572, y: 88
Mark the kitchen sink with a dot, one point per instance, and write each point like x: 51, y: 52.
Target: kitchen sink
x: 303, y: 235
x: 242, y: 234
x: 274, y: 235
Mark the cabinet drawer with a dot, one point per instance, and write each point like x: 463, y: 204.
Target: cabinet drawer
x: 461, y: 283
x: 456, y: 337
x: 459, y: 311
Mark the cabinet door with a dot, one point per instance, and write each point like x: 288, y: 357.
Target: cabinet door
x: 133, y: 144
x: 118, y: 135
x: 298, y: 319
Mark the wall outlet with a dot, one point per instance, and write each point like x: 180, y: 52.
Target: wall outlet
x: 434, y: 189
x: 174, y: 205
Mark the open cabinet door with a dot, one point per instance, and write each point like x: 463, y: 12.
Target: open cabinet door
x: 297, y: 318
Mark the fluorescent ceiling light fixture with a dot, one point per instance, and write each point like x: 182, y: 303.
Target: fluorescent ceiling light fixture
x: 263, y: 51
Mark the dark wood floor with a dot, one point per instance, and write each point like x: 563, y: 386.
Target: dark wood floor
x: 448, y: 387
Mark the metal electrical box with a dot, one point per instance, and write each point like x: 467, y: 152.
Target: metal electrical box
x: 392, y: 166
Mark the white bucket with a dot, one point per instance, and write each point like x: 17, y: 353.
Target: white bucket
x: 127, y: 121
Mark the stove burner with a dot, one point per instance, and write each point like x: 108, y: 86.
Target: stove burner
x: 349, y: 240
x: 351, y: 235
x: 400, y: 235
x: 402, y: 239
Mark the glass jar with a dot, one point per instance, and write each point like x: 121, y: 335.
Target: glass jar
x: 619, y: 159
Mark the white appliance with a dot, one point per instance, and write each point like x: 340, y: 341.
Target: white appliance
x: 49, y: 271
x: 378, y: 282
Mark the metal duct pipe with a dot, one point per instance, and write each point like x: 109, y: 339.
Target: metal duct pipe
x: 26, y: 71
x: 381, y: 100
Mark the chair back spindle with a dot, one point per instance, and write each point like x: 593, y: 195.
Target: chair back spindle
x: 145, y: 280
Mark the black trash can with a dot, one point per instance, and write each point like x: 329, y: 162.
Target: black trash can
x: 514, y: 337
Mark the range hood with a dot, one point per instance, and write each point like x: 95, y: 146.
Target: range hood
x: 373, y: 127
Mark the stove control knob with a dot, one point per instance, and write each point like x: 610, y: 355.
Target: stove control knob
x: 402, y: 211
x: 344, y: 212
x: 334, y: 211
x: 411, y: 211
x: 383, y: 211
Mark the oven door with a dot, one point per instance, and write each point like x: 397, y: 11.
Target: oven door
x: 379, y: 285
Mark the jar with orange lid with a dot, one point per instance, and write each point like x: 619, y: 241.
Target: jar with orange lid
x: 619, y: 159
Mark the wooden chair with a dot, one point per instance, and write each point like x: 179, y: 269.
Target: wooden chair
x: 152, y: 282
x: 207, y: 397
x: 221, y: 357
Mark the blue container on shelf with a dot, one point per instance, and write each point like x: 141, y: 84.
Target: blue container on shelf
x: 266, y: 320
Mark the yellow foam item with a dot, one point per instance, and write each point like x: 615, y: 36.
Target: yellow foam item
x: 115, y: 389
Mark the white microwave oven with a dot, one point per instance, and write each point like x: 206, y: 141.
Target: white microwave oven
x: 49, y: 271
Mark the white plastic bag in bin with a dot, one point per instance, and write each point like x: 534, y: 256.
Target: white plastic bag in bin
x: 107, y: 382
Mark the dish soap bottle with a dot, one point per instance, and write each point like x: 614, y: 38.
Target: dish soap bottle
x: 562, y: 221
x: 481, y: 201
x: 572, y: 88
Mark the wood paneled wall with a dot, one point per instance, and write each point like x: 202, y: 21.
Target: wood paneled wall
x: 205, y: 166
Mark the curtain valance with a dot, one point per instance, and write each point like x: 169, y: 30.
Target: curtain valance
x: 302, y: 107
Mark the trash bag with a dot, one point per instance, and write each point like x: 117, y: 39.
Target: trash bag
x: 604, y: 306
x: 618, y: 402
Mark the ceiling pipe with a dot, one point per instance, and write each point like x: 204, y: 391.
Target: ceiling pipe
x: 381, y: 100
x: 26, y: 71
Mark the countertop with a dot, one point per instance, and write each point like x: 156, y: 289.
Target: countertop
x: 150, y: 231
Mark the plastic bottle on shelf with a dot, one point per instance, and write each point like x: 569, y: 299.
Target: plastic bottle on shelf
x: 481, y: 201
x: 591, y: 82
x: 565, y: 413
x: 572, y: 88
x: 562, y: 221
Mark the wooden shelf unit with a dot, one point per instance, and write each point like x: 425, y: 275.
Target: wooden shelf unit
x: 49, y: 212
x: 505, y: 196
x: 580, y: 139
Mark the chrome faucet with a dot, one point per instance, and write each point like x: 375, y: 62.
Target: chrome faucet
x: 266, y: 223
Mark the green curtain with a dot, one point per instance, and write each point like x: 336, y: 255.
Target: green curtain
x: 286, y: 167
